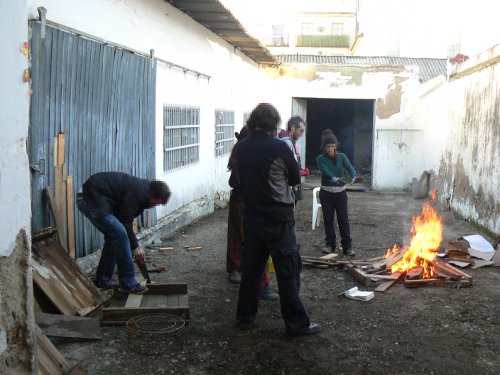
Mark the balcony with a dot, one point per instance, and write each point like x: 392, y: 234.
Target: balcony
x: 333, y: 41
x: 277, y: 41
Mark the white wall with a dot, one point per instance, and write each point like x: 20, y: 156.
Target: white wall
x: 229, y: 80
x: 16, y: 285
x: 14, y: 110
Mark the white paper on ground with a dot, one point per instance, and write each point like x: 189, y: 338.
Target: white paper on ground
x: 482, y: 263
x: 458, y: 263
x: 479, y: 243
x: 354, y: 293
x: 486, y: 255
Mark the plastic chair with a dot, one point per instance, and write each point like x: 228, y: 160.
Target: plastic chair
x: 315, y: 208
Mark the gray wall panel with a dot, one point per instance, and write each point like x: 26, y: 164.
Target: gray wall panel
x: 103, y: 99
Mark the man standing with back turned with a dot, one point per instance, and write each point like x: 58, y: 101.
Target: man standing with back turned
x: 111, y: 201
x: 267, y: 169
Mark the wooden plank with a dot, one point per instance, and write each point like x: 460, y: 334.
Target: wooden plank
x: 61, y: 280
x: 59, y: 151
x: 455, y: 270
x: 415, y: 273
x: 133, y: 300
x: 385, y: 286
x: 463, y: 283
x: 359, y: 275
x: 70, y: 217
x: 172, y: 300
x: 330, y: 256
x: 50, y: 360
x: 69, y: 326
x: 167, y: 289
x: 316, y: 265
x: 149, y: 300
x: 120, y: 316
x: 183, y: 300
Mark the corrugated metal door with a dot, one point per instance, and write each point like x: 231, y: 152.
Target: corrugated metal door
x: 103, y: 99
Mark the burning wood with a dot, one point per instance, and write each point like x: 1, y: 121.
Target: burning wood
x: 419, y: 260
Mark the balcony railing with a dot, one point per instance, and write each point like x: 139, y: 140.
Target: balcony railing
x: 336, y: 41
x: 277, y: 41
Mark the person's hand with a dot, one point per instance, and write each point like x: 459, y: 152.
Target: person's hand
x: 138, y: 252
x: 304, y: 172
x: 338, y: 181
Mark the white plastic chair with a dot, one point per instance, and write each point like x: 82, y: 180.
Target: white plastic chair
x: 315, y: 208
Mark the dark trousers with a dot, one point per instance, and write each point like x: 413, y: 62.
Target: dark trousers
x: 331, y: 204
x: 264, y: 237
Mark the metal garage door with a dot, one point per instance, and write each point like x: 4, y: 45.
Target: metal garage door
x: 103, y: 99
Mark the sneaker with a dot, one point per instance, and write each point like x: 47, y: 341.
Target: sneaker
x: 312, y: 329
x: 328, y: 250
x: 234, y: 277
x: 138, y: 289
x: 349, y: 252
x: 266, y: 295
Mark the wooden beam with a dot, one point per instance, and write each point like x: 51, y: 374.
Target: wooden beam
x: 69, y: 326
x: 50, y: 360
x: 70, y: 217
x: 359, y: 275
x: 438, y: 282
x: 133, y: 300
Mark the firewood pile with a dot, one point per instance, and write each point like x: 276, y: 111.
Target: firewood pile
x: 376, y: 271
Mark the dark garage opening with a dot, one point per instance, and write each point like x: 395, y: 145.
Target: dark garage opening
x: 352, y: 123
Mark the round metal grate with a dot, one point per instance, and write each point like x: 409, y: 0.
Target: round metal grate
x: 156, y: 333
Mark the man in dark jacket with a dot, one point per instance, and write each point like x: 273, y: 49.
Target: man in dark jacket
x: 111, y: 201
x: 267, y: 169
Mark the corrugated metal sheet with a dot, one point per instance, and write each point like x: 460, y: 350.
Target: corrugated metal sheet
x: 217, y: 18
x: 103, y: 99
x: 428, y: 68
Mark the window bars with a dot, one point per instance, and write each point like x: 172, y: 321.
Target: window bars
x: 224, y: 132
x: 181, y: 136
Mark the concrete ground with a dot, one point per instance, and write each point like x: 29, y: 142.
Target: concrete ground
x: 431, y: 330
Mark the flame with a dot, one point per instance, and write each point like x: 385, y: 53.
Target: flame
x: 426, y: 236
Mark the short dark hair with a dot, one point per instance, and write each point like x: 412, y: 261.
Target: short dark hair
x: 328, y: 139
x: 265, y: 117
x: 294, y: 122
x: 159, y: 190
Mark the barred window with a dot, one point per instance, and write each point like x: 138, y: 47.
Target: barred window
x: 224, y: 132
x: 181, y: 136
x: 246, y: 116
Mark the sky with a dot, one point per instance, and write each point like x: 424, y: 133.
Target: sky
x: 477, y: 20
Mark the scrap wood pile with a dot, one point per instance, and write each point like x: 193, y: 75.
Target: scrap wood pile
x: 436, y: 271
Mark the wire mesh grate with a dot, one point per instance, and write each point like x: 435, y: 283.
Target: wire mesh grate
x: 155, y: 334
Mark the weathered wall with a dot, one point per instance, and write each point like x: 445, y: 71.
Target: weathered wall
x: 397, y: 156
x: 469, y: 170
x: 16, y: 342
x: 16, y: 310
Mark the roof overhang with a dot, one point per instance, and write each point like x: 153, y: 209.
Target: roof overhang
x: 215, y: 17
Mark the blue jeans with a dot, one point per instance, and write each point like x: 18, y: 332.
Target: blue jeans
x: 264, y: 237
x: 116, y: 249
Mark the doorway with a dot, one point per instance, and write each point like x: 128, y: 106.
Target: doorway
x: 351, y: 120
